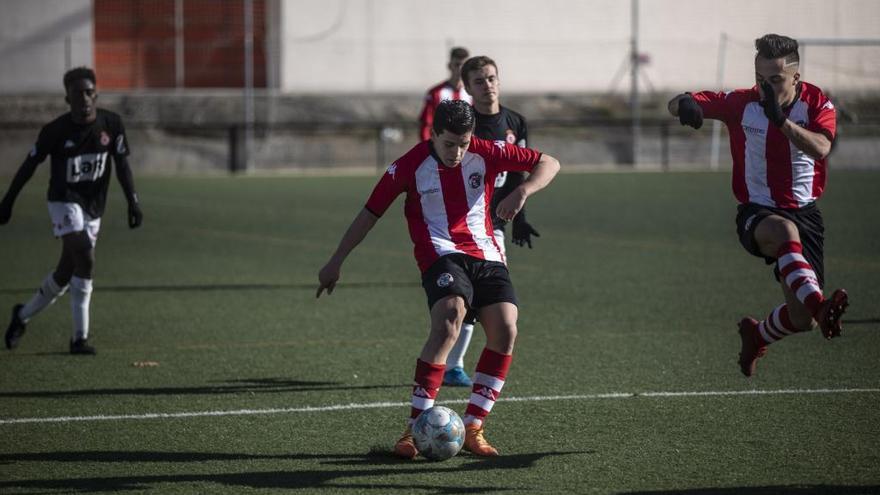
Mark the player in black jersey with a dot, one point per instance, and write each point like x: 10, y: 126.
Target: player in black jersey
x: 495, y: 122
x: 80, y: 143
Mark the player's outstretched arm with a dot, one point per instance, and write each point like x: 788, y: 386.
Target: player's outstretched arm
x: 357, y: 231
x: 687, y: 110
x: 24, y: 174
x: 126, y: 180
x: 541, y: 175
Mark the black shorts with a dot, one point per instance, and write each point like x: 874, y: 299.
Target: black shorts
x: 811, y: 230
x: 480, y: 282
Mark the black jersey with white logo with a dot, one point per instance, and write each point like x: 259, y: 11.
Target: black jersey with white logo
x: 81, y: 158
x: 510, y: 127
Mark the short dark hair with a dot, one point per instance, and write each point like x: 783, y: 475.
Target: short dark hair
x: 475, y: 63
x: 458, y: 52
x: 455, y: 116
x: 79, y: 73
x: 772, y: 46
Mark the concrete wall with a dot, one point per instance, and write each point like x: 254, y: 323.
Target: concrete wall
x: 333, y: 46
x: 563, y: 45
x: 39, y: 40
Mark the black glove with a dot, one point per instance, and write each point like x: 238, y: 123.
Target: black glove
x: 771, y: 107
x: 135, y: 217
x: 689, y: 113
x: 523, y: 232
x: 5, y: 212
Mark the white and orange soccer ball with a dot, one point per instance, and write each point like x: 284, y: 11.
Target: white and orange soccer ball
x: 438, y: 433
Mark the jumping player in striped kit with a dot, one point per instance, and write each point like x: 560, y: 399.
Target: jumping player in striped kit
x: 781, y: 132
x: 448, y: 182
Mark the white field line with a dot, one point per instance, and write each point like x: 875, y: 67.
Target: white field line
x: 380, y: 405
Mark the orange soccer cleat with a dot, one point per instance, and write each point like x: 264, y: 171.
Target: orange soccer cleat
x: 475, y: 442
x: 405, y: 447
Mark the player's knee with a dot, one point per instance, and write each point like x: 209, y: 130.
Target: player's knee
x: 503, y: 338
x: 774, y: 232
x: 84, y: 262
x: 449, y: 313
x: 783, y: 230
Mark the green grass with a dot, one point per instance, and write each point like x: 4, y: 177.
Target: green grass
x: 634, y: 286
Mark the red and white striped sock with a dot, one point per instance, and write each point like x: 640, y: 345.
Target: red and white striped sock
x: 488, y: 381
x: 798, y: 275
x: 428, y: 379
x: 777, y: 325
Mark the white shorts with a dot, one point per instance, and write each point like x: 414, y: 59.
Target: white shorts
x: 70, y: 217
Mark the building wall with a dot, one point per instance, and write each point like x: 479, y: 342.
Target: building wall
x: 331, y: 46
x: 563, y: 45
x: 39, y: 39
x: 136, y: 43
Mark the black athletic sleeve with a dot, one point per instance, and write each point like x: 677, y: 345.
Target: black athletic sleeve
x: 38, y: 153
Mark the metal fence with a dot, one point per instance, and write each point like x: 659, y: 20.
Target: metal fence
x: 333, y: 147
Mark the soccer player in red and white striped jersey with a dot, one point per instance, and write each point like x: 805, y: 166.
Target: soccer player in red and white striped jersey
x: 450, y: 89
x: 781, y: 132
x: 448, y: 183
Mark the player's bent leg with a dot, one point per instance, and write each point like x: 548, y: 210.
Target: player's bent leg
x: 499, y: 322
x: 447, y: 315
x: 798, y: 275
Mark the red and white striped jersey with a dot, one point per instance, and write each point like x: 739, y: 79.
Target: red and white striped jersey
x: 767, y: 168
x: 448, y: 209
x: 441, y: 92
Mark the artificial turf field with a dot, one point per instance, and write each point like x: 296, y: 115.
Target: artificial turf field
x: 629, y: 304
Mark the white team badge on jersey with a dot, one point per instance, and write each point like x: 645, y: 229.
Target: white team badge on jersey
x: 392, y: 169
x: 68, y: 144
x: 445, y: 280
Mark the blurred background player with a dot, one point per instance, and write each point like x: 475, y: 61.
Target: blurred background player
x: 496, y: 123
x: 448, y: 182
x: 781, y: 132
x: 450, y: 89
x: 80, y: 143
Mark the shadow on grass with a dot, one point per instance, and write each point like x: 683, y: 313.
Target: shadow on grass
x: 228, y: 287
x: 253, y: 385
x: 341, y: 472
x: 861, y: 321
x: 769, y: 490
